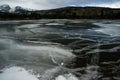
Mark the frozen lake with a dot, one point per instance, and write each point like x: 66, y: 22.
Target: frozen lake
x: 62, y: 49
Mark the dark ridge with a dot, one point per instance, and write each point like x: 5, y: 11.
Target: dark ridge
x: 66, y: 13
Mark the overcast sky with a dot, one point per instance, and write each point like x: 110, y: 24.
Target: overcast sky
x: 48, y: 4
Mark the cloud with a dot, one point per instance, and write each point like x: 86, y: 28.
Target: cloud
x: 112, y: 5
x: 48, y: 4
x: 35, y: 4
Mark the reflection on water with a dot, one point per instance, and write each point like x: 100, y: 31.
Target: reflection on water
x: 59, y: 50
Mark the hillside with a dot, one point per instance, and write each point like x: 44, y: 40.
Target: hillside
x: 66, y: 13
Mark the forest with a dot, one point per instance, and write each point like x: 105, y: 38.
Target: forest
x: 65, y: 13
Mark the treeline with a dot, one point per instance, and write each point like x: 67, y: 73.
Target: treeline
x: 66, y: 13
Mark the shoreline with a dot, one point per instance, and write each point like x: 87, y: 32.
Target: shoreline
x: 53, y: 19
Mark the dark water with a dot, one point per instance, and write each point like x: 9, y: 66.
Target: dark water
x: 60, y: 50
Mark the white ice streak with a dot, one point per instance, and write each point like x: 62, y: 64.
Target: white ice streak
x: 110, y: 29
